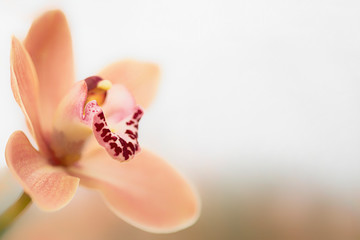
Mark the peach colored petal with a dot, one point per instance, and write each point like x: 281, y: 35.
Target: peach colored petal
x: 146, y: 192
x: 141, y: 78
x: 50, y: 187
x: 49, y: 45
x: 24, y: 84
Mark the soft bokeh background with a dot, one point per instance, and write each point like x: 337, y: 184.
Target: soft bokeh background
x: 259, y: 105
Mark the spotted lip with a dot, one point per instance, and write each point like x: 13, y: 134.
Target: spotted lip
x: 122, y: 145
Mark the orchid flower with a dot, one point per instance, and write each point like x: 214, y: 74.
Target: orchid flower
x: 87, y: 133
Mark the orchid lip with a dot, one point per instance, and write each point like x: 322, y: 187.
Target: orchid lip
x: 122, y: 145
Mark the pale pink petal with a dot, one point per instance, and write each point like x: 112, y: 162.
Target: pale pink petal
x: 24, y: 84
x: 146, y: 191
x: 141, y: 78
x: 49, y: 45
x: 50, y: 187
x: 119, y: 103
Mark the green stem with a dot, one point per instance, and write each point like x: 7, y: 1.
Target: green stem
x: 9, y: 216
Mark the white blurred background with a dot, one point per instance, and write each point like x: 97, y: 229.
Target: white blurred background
x: 252, y: 92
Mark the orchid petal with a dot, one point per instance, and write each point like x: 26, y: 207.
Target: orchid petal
x: 49, y: 45
x: 24, y: 84
x: 50, y: 187
x: 141, y: 78
x: 146, y: 192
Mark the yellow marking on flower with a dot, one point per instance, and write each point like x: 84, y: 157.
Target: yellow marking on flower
x: 69, y: 159
x: 99, y: 92
x: 104, y: 85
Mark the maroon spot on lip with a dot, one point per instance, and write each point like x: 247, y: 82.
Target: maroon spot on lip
x: 101, y: 116
x: 105, y: 131
x: 107, y: 138
x: 123, y: 142
x: 136, y: 115
x: 132, y: 148
x: 113, y: 145
x: 130, y: 122
x: 116, y: 148
x: 117, y: 151
x: 126, y: 154
x: 130, y: 133
x: 99, y: 126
